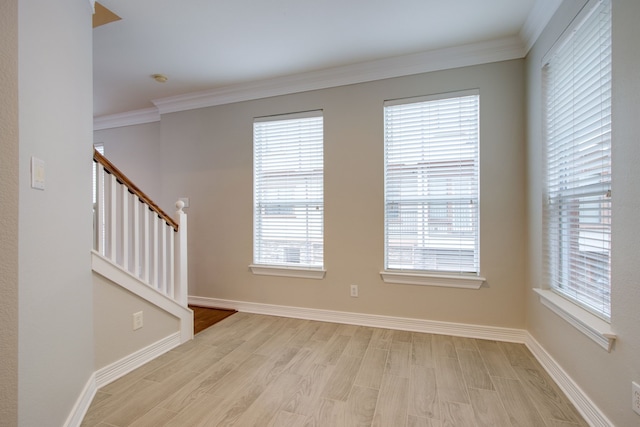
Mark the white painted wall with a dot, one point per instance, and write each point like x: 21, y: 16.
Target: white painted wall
x: 55, y: 286
x: 207, y: 155
x: 9, y: 142
x: 604, y: 377
x: 135, y: 150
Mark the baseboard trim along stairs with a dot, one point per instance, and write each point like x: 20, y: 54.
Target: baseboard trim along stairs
x: 591, y: 413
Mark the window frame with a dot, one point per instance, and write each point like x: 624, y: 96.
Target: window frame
x: 434, y: 277
x: 279, y: 204
x: 566, y: 198
x: 592, y: 323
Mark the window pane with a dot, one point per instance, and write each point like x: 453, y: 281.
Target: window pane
x: 288, y: 191
x: 577, y: 82
x: 431, y: 184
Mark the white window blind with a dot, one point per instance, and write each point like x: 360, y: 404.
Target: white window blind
x: 431, y: 183
x: 577, y: 97
x: 288, y: 190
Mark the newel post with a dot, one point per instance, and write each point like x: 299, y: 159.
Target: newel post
x: 181, y: 278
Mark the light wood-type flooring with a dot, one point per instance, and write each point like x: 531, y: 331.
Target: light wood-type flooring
x: 255, y: 370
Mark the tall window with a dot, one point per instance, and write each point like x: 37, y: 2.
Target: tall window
x: 288, y: 190
x: 431, y: 183
x: 577, y: 98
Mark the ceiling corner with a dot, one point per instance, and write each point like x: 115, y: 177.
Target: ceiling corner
x: 537, y: 20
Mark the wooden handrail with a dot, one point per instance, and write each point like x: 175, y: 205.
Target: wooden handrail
x: 133, y: 189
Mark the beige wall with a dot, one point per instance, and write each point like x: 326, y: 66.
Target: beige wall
x: 135, y: 150
x: 55, y: 125
x: 206, y: 154
x: 604, y: 377
x: 114, y: 336
x: 9, y: 142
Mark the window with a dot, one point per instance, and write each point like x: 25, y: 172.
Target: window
x: 577, y: 101
x: 431, y: 184
x: 288, y: 192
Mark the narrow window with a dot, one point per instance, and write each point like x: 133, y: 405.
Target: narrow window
x: 577, y: 102
x: 288, y: 191
x: 431, y: 184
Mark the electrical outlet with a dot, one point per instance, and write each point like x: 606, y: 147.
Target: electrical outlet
x: 354, y: 291
x: 635, y: 397
x: 138, y: 321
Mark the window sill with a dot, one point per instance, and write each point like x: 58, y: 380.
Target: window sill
x: 304, y: 273
x: 590, y: 325
x: 429, y: 279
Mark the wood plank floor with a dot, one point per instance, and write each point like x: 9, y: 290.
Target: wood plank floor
x: 203, y: 317
x: 255, y: 370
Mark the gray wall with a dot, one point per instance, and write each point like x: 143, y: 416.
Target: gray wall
x: 113, y: 335
x: 55, y: 231
x: 9, y: 143
x: 206, y: 154
x: 604, y: 377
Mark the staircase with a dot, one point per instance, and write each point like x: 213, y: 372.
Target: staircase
x: 138, y: 246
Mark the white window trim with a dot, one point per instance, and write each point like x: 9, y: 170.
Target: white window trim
x: 432, y: 279
x: 594, y: 327
x: 437, y: 278
x: 283, y: 271
x: 310, y: 272
x: 589, y: 324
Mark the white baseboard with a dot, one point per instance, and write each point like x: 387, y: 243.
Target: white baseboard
x: 127, y: 364
x: 580, y: 400
x: 82, y: 404
x: 114, y: 371
x: 372, y: 320
x: 591, y: 413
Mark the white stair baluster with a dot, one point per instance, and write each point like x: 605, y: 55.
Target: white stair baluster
x: 163, y: 268
x: 124, y: 228
x: 136, y: 235
x: 147, y: 244
x: 155, y: 270
x: 113, y: 217
x: 181, y: 255
x: 171, y: 277
x: 100, y: 223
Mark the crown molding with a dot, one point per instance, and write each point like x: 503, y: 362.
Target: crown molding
x: 441, y: 59
x: 537, y: 20
x: 135, y: 117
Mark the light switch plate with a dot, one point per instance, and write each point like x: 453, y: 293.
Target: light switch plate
x: 37, y: 173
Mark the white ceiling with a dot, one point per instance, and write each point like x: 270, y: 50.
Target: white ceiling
x: 215, y: 45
